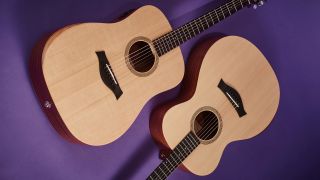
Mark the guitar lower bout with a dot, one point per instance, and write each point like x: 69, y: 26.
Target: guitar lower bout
x: 230, y: 92
x: 97, y: 77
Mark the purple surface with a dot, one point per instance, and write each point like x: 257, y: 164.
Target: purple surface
x: 286, y: 31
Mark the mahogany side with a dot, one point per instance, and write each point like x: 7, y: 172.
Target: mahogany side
x: 42, y: 92
x: 71, y: 95
x: 238, y: 62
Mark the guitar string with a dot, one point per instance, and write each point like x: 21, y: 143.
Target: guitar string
x: 207, y: 118
x: 222, y: 7
x: 202, y: 21
x: 205, y: 127
x: 202, y: 135
x: 208, y: 129
x: 127, y: 81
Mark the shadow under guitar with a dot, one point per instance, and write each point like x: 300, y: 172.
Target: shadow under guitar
x: 136, y: 160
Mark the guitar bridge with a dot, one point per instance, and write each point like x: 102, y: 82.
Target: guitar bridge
x: 107, y: 75
x: 233, y: 96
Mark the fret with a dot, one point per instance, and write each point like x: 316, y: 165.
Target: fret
x: 163, y: 45
x: 172, y: 39
x: 177, y: 38
x: 163, y: 48
x: 166, y: 169
x: 193, y: 145
x: 194, y: 22
x: 214, y: 17
x: 150, y: 177
x: 194, y: 33
x: 169, y: 41
x: 228, y: 10
x: 159, y: 45
x: 180, y: 36
x: 183, y: 35
x: 189, y: 30
x: 241, y: 3
x: 157, y: 48
x: 167, y: 162
x: 209, y: 20
x: 162, y: 170
x: 171, y: 156
x: 180, y: 152
x: 183, y: 148
x: 200, y: 21
x: 186, y: 28
x: 210, y: 15
x: 170, y: 45
x: 190, y: 140
x: 222, y: 12
x: 217, y: 15
x: 245, y: 2
x: 178, y: 155
x: 196, y: 140
x: 186, y: 147
x: 206, y: 21
x: 171, y: 164
x: 157, y: 174
x: 235, y: 7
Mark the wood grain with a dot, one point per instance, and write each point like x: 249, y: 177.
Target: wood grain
x: 240, y: 64
x: 86, y: 106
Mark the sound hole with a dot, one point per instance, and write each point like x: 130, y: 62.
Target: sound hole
x: 141, y: 57
x: 206, y: 125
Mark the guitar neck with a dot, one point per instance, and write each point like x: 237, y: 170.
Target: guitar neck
x: 179, y: 154
x: 175, y: 38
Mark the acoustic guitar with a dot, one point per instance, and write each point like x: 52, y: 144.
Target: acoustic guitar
x: 229, y: 93
x: 93, y: 79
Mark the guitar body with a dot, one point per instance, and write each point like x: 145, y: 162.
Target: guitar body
x: 65, y: 74
x: 241, y: 66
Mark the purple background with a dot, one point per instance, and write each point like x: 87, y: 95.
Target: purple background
x: 286, y: 31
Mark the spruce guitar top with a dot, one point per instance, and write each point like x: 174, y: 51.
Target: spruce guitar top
x: 93, y: 79
x: 229, y: 93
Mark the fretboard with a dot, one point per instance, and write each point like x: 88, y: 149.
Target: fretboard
x: 179, y: 154
x: 175, y: 38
